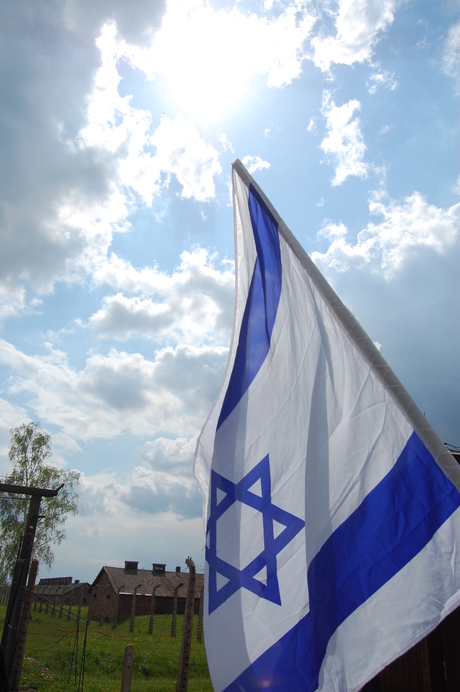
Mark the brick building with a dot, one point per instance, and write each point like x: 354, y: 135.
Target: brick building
x: 113, y: 582
x: 63, y: 590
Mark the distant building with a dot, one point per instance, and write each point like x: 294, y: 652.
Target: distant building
x: 121, y: 581
x: 63, y: 590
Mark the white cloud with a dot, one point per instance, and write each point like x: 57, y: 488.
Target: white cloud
x: 136, y: 20
x: 114, y: 125
x: 192, y: 304
x: 344, y: 141
x: 226, y: 144
x: 181, y: 151
x: 144, y: 489
x: 333, y: 230
x: 156, y: 492
x: 382, y: 78
x: 358, y: 25
x: 172, y: 454
x: 120, y: 391
x: 254, y: 163
x: 385, y: 246
x: 451, y: 53
x: 456, y: 187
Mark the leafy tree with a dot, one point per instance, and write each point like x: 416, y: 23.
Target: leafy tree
x: 29, y: 451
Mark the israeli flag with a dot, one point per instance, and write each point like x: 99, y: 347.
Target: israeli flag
x: 332, y: 506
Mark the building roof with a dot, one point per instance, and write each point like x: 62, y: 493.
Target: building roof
x: 58, y: 589
x: 144, y: 578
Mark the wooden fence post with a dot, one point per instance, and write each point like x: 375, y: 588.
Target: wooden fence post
x: 184, y: 661
x: 127, y: 669
x: 23, y: 626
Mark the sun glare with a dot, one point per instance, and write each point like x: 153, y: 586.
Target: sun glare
x: 208, y: 57
x: 199, y: 56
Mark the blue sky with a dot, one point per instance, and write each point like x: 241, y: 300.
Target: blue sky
x: 119, y: 124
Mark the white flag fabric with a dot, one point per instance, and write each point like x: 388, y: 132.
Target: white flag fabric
x: 332, y: 506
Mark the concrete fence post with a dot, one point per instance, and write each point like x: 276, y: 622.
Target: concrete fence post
x: 53, y: 608
x: 80, y: 604
x: 133, y: 608
x: 61, y: 609
x: 92, y: 600
x: 104, y: 599
x: 186, y: 644
x: 70, y: 592
x: 117, y: 602
x: 174, y: 617
x: 199, y: 629
x: 152, y: 608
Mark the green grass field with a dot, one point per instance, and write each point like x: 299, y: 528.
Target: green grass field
x: 54, y: 654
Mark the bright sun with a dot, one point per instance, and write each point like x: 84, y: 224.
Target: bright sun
x: 199, y: 53
x: 208, y: 58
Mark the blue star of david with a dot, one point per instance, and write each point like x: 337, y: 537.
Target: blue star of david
x: 245, y: 578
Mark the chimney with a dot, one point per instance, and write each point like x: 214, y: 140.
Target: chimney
x: 177, y: 570
x: 158, y: 567
x: 131, y: 567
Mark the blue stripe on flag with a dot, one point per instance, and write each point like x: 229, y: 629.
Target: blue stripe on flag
x: 261, y: 307
x: 392, y: 525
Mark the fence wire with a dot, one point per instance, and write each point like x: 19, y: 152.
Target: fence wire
x: 65, y: 653
x: 54, y: 658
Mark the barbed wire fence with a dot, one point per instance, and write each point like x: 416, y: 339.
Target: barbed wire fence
x: 54, y: 656
x: 67, y: 651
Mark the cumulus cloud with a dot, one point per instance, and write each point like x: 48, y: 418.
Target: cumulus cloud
x: 71, y: 174
x: 385, y: 246
x: 254, y: 163
x: 192, y: 303
x: 382, y: 78
x: 172, y: 454
x: 145, y: 490
x: 136, y: 21
x: 153, y: 492
x: 344, y: 143
x: 43, y: 179
x: 451, y: 53
x: 114, y: 124
x: 118, y: 392
x: 358, y: 26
